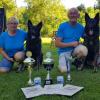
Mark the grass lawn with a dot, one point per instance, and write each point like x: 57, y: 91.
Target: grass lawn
x: 11, y: 83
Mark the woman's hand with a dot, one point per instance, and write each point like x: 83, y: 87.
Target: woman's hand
x: 11, y: 59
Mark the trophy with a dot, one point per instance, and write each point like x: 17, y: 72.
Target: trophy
x: 48, y: 65
x: 37, y: 81
x: 29, y: 62
x: 60, y: 79
x: 70, y: 60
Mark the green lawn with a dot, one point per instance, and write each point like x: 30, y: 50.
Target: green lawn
x: 11, y: 83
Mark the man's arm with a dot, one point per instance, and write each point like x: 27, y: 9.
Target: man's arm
x: 60, y: 44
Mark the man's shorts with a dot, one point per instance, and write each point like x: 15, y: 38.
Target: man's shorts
x: 63, y: 60
x: 6, y: 64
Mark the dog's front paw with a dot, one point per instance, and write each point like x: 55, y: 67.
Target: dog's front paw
x: 95, y: 70
x: 80, y: 68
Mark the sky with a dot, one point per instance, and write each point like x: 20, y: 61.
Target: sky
x: 20, y: 3
x: 66, y: 3
x: 75, y: 3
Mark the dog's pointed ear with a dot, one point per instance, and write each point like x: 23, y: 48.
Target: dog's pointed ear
x: 29, y: 23
x: 86, y: 17
x: 97, y: 17
x: 39, y: 25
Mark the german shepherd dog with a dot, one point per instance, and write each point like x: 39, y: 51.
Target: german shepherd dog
x: 91, y: 41
x: 33, y: 42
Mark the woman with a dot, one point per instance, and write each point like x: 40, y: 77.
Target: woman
x: 11, y: 45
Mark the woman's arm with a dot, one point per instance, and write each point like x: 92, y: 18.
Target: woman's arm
x: 3, y: 53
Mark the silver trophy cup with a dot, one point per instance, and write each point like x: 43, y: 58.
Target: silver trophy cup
x: 48, y: 65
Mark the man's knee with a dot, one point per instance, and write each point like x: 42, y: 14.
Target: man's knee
x: 62, y: 69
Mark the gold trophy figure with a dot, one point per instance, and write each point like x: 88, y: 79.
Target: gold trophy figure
x: 29, y: 62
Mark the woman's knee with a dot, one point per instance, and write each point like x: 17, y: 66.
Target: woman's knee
x: 4, y: 70
x: 5, y: 65
x: 19, y: 56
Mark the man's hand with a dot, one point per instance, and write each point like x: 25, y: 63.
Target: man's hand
x: 76, y: 43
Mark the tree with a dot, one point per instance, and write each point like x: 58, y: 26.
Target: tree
x: 97, y: 6
x: 82, y: 9
x: 50, y: 12
x: 9, y: 6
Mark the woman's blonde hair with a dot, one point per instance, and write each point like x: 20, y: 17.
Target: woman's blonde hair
x: 12, y: 19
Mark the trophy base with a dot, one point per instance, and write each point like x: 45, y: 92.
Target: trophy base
x: 48, y: 82
x: 30, y: 82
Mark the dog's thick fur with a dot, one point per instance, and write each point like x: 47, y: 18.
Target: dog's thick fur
x: 33, y: 42
x: 91, y: 40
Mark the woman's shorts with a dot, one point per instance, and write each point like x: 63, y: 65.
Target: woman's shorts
x: 6, y: 64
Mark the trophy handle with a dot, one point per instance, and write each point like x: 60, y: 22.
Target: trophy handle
x: 30, y: 71
x: 30, y: 74
x: 48, y: 75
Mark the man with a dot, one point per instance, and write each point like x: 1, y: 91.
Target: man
x: 67, y: 39
x: 11, y: 45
